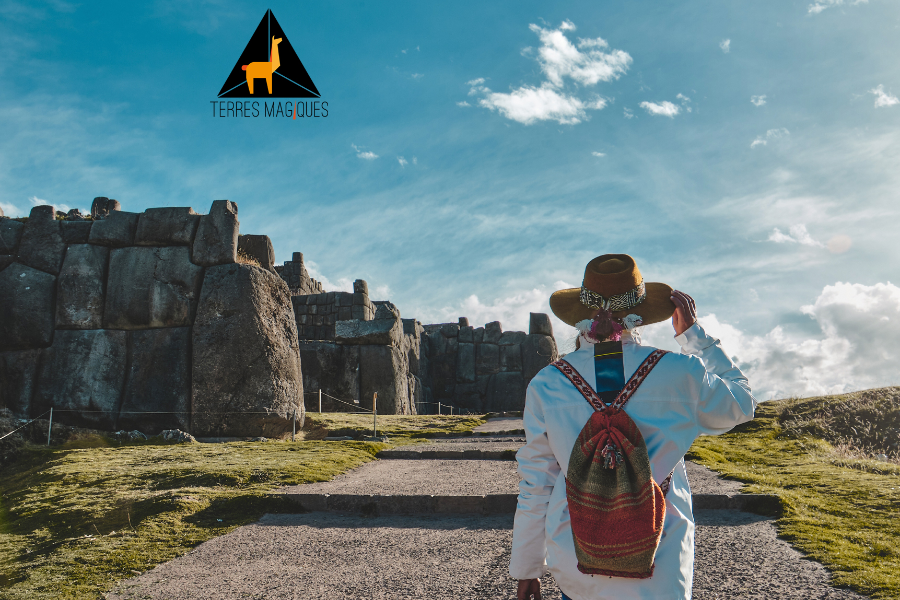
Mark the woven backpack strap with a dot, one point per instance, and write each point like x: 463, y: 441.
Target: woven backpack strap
x: 627, y: 392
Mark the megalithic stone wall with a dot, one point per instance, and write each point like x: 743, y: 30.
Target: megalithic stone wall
x: 145, y: 321
x: 485, y: 369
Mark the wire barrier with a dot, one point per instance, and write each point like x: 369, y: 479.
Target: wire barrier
x: 24, y: 426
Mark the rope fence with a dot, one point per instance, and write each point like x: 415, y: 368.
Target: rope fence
x: 354, y: 404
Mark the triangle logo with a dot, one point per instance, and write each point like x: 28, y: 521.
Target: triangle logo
x: 269, y: 67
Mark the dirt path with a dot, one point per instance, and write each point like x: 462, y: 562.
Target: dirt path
x: 325, y: 555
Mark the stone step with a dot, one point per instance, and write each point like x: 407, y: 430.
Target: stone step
x: 429, y: 454
x: 374, y: 504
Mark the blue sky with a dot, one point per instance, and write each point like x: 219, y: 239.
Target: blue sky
x: 476, y: 157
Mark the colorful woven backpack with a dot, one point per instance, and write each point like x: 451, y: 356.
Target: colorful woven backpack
x: 616, y: 508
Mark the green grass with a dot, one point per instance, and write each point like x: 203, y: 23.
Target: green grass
x: 393, y: 426
x: 76, y: 518
x: 839, y: 510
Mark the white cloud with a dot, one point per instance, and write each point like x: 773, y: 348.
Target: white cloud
x: 685, y: 102
x: 417, y: 75
x: 725, y: 45
x: 883, y: 98
x: 796, y: 235
x: 839, y: 244
x: 820, y: 5
x: 629, y: 114
x: 663, y: 109
x: 463, y: 103
x: 560, y: 58
x: 758, y: 100
x: 772, y: 134
x: 586, y: 64
x: 512, y: 312
x: 35, y: 201
x: 365, y: 155
x: 11, y: 210
x: 529, y: 104
x: 341, y: 285
x: 403, y: 162
x: 599, y: 154
x: 415, y: 160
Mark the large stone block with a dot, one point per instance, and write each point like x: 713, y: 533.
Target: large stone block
x: 6, y: 260
x: 80, y: 293
x: 151, y: 287
x: 116, y: 230
x: 538, y: 351
x: 465, y: 363
x: 10, y: 234
x: 383, y: 369
x: 334, y: 369
x: 468, y: 397
x: 380, y: 331
x: 467, y: 335
x: 443, y: 376
x: 217, y: 235
x: 168, y: 226
x: 246, y: 358
x: 76, y: 232
x: 511, y: 338
x: 26, y: 308
x: 260, y: 248
x: 158, y: 383
x: 487, y: 360
x: 492, y: 332
x: 386, y: 310
x: 510, y: 358
x: 540, y: 324
x: 18, y: 373
x: 102, y: 206
x: 506, y: 392
x: 82, y: 374
x: 42, y: 245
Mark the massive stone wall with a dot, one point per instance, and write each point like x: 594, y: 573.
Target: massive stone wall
x: 485, y: 369
x: 145, y: 321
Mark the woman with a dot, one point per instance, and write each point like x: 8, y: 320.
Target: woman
x: 700, y: 391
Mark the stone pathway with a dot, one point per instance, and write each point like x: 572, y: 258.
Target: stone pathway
x: 331, y: 555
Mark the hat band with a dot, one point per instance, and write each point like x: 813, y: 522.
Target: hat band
x: 615, y: 303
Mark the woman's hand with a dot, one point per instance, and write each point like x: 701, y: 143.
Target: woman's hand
x: 529, y: 589
x: 685, y: 313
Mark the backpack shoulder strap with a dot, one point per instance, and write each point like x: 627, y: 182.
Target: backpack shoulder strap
x: 638, y: 378
x: 580, y: 384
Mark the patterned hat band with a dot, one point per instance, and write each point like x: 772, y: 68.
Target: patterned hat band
x: 615, y: 303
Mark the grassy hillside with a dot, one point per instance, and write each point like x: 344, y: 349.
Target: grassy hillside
x: 840, y: 505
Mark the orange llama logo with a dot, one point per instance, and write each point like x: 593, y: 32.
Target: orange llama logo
x: 270, y: 56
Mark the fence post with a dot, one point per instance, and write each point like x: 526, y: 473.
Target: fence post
x: 374, y: 415
x: 294, y: 430
x: 320, y: 400
x: 50, y: 426
x: 439, y: 408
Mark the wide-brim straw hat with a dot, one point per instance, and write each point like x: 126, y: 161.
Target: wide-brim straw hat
x: 613, y: 281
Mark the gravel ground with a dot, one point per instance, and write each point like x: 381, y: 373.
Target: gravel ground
x: 414, y: 477
x: 500, y: 424
x: 704, y: 481
x: 330, y: 556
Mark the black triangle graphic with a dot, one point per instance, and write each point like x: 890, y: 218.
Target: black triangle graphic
x: 290, y: 79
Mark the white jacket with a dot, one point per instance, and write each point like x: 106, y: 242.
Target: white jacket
x: 700, y: 391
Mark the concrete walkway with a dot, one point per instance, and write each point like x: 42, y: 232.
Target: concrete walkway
x: 332, y: 555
